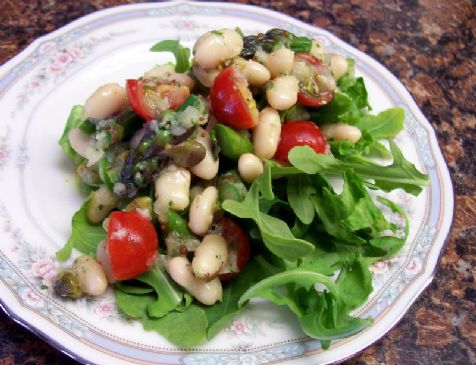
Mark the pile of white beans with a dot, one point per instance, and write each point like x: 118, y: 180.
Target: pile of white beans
x: 211, y: 53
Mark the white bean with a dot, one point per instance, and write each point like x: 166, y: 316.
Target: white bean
x: 317, y: 49
x: 172, y: 188
x: 341, y: 132
x: 206, y: 77
x: 339, y: 66
x: 160, y: 72
x: 101, y: 203
x: 201, y: 211
x: 279, y: 62
x: 208, y: 167
x: 207, y: 293
x: 167, y: 74
x: 91, y: 276
x: 326, y: 82
x: 214, y: 47
x: 103, y: 259
x: 249, y: 167
x: 282, y: 92
x: 85, y: 146
x: 255, y: 73
x: 210, y: 255
x: 266, y: 133
x: 106, y: 101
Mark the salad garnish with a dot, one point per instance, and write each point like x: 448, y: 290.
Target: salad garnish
x: 208, y: 184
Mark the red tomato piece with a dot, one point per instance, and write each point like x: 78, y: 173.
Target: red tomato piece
x: 148, y: 98
x: 308, y: 97
x: 136, y: 97
x: 314, y: 100
x: 300, y: 133
x: 231, y: 101
x: 131, y: 245
x: 238, y: 242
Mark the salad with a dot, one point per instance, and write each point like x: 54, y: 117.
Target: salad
x: 211, y: 181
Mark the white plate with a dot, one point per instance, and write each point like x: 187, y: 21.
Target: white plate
x: 38, y: 195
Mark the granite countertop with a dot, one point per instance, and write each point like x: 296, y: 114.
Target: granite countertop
x: 430, y: 46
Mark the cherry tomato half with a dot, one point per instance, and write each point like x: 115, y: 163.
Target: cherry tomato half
x: 307, y: 95
x: 148, y: 98
x: 239, y: 243
x: 231, y: 101
x: 300, y: 133
x: 131, y: 245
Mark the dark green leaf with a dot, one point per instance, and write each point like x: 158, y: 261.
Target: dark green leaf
x: 401, y: 174
x: 133, y: 305
x: 220, y: 314
x: 275, y: 233
x: 185, y: 329
x: 386, y: 124
x: 169, y: 296
x: 354, y: 284
x: 75, y: 119
x: 181, y: 54
x: 85, y: 236
x: 299, y: 191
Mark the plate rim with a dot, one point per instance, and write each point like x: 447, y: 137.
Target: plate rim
x: 446, y: 177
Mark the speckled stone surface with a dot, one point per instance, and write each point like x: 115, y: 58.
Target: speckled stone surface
x: 430, y: 45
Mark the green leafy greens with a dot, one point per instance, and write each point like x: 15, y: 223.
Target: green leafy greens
x: 312, y: 245
x: 181, y: 53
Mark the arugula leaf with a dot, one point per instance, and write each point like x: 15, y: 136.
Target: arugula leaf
x: 266, y: 288
x: 400, y: 174
x: 299, y: 191
x: 75, y: 119
x: 181, y: 53
x: 132, y: 287
x: 85, y: 236
x: 340, y: 109
x: 390, y: 245
x: 354, y: 284
x: 327, y: 318
x: 383, y: 125
x: 275, y: 233
x: 169, y: 297
x: 133, y: 305
x: 300, y: 44
x: 220, y: 314
x: 357, y: 92
x: 185, y: 329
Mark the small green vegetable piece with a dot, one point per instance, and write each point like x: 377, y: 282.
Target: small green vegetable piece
x: 186, y: 154
x: 231, y: 187
x: 272, y: 40
x: 66, y: 284
x: 181, y: 53
x: 142, y: 203
x: 232, y: 143
x: 177, y: 224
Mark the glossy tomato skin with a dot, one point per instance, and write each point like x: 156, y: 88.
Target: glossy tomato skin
x: 314, y: 100
x: 136, y: 97
x: 300, y: 133
x: 239, y: 242
x: 228, y: 103
x: 305, y: 98
x: 146, y: 103
x: 132, y: 245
